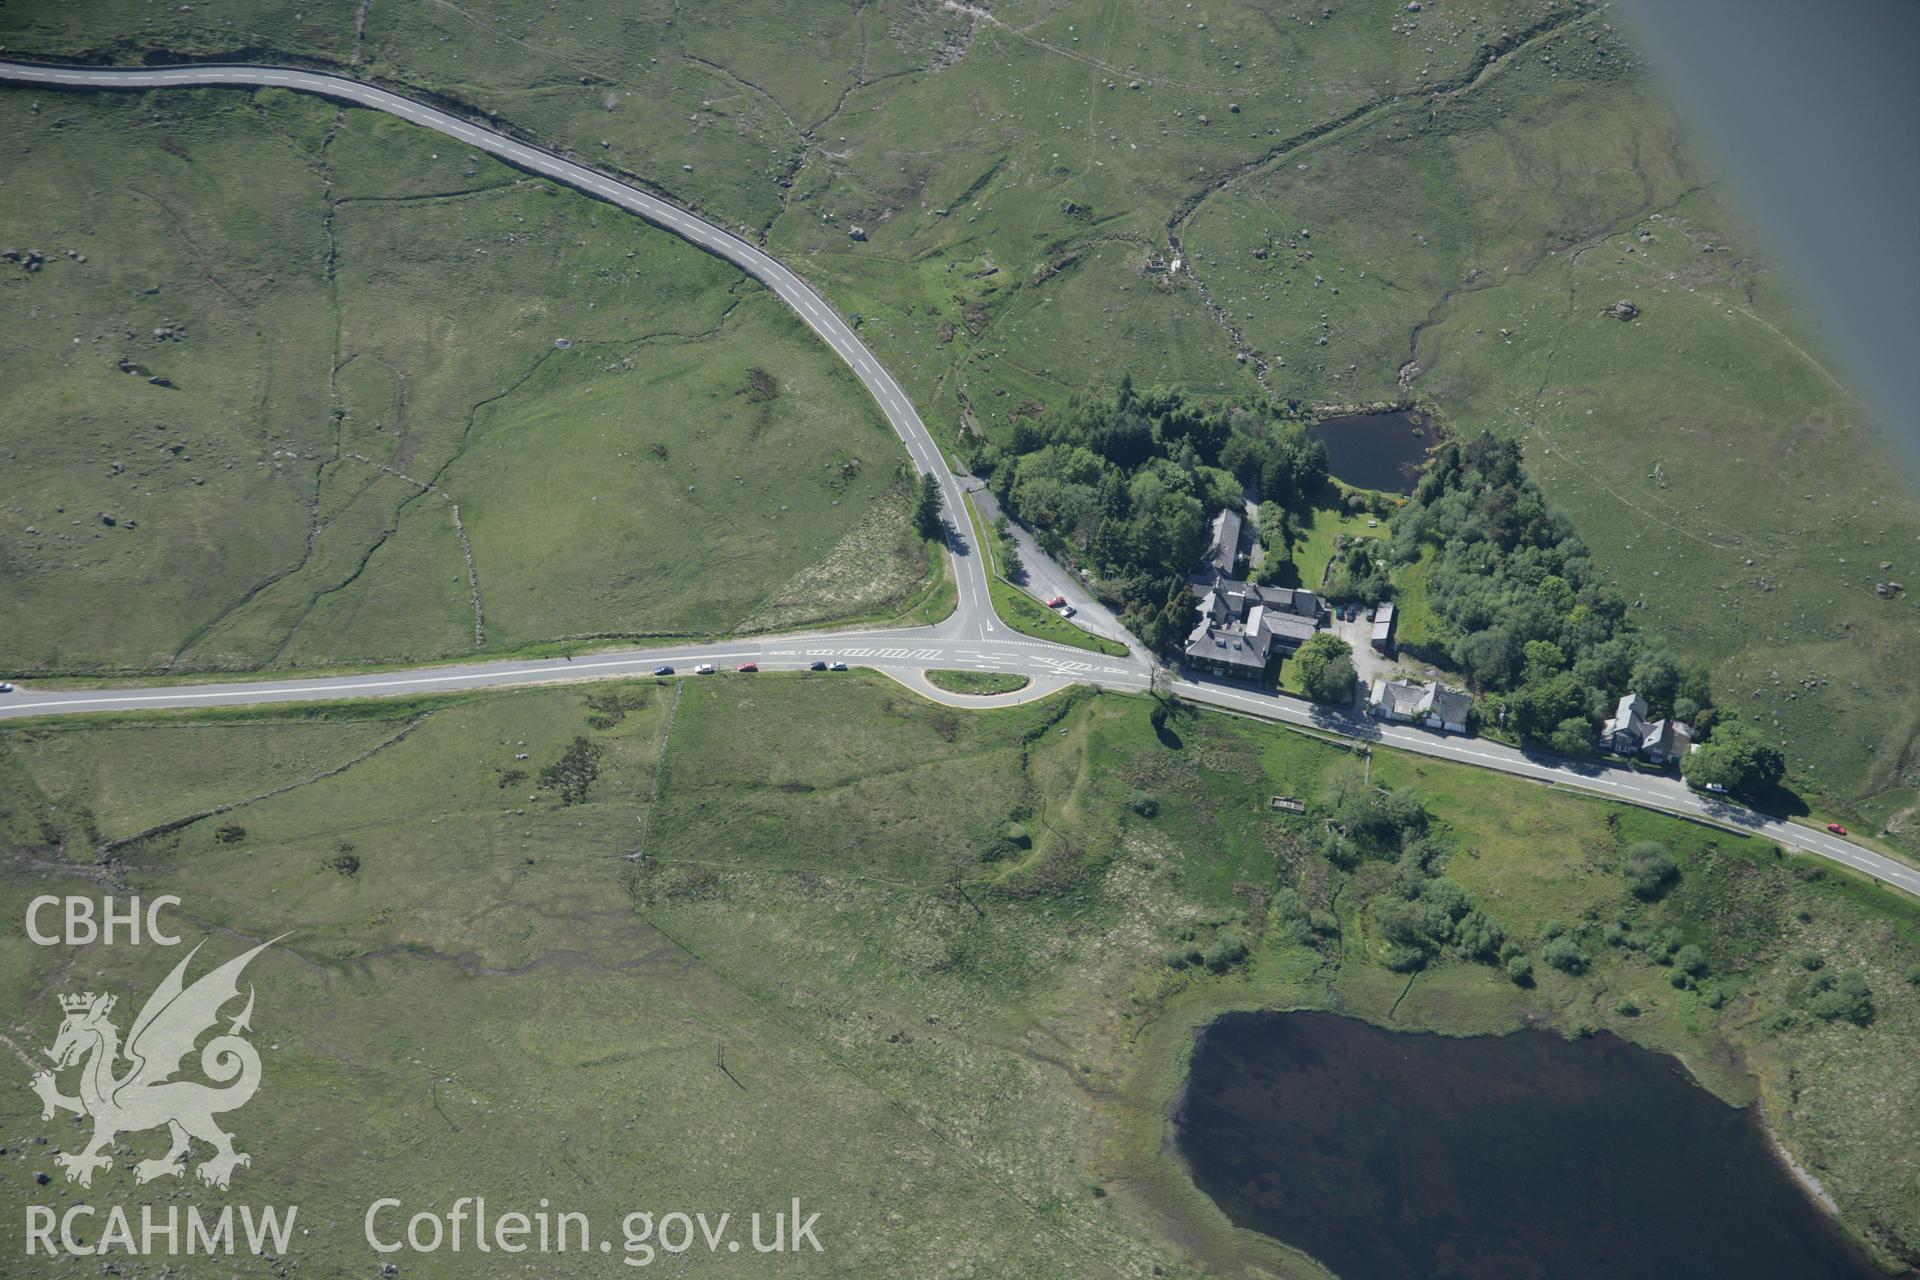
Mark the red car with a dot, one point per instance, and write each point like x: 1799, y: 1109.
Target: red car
x: 748, y: 666
x: 1056, y: 602
x: 1836, y: 828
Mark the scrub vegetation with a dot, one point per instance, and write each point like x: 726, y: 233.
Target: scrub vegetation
x: 1368, y: 205
x: 970, y: 946
x: 308, y: 387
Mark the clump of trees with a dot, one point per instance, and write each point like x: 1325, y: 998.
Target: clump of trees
x: 1650, y: 870
x: 1325, y: 667
x: 1365, y: 822
x: 1736, y: 758
x: 1564, y: 954
x: 1125, y: 488
x: 1832, y: 997
x: 1520, y: 607
x: 1420, y: 913
x: 1223, y: 953
x: 1432, y: 915
x: 1293, y: 920
x: 1689, y: 966
x: 1226, y: 951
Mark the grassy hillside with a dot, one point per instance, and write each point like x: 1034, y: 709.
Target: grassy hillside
x: 1352, y: 189
x: 1706, y: 450
x: 1012, y: 166
x: 313, y: 387
x: 950, y: 944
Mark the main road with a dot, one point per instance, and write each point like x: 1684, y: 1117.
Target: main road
x: 971, y: 639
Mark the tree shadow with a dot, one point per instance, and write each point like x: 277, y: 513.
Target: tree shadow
x: 1287, y: 575
x: 1163, y: 715
x: 1781, y: 802
x: 1345, y: 722
x: 1584, y: 766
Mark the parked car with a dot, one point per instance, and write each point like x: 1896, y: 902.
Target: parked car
x: 1836, y: 828
x: 837, y: 666
x: 1067, y: 611
x: 748, y: 666
x: 663, y: 671
x: 816, y: 666
x: 704, y: 669
x: 1056, y: 602
x: 1715, y: 787
x: 5, y: 687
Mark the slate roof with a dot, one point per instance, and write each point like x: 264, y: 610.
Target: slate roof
x: 1239, y: 622
x: 1229, y: 645
x: 1418, y: 701
x: 1403, y: 697
x: 1451, y: 705
x: 1629, y: 721
x: 1223, y: 553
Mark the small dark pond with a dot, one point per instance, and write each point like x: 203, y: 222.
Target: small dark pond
x: 1386, y: 1154
x: 1376, y: 450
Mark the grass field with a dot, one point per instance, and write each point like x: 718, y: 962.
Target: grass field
x: 1413, y: 622
x: 1025, y: 160
x: 936, y: 936
x: 1351, y: 193
x: 1708, y: 455
x: 979, y: 683
x: 1315, y: 550
x: 414, y: 407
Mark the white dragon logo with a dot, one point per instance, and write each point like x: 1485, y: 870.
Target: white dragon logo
x: 146, y: 1097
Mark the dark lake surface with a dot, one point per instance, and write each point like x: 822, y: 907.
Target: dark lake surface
x: 1523, y: 1157
x: 1376, y: 450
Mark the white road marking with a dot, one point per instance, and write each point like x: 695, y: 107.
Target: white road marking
x: 968, y: 569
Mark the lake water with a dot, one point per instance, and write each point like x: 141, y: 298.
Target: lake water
x: 1376, y: 450
x: 1390, y: 1155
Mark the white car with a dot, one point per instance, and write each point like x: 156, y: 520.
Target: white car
x: 1716, y: 788
x: 836, y: 666
x: 704, y: 669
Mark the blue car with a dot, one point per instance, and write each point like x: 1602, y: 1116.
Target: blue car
x: 663, y: 671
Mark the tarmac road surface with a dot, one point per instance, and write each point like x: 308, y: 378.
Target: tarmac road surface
x: 971, y: 639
